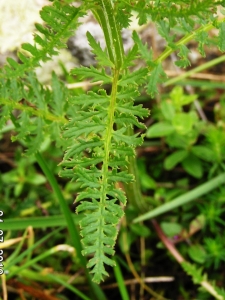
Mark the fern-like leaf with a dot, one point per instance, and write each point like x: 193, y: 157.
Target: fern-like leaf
x: 61, y: 21
x: 94, y: 73
x: 157, y: 76
x: 101, y: 55
x: 107, y: 149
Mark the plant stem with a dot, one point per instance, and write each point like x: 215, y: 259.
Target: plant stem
x: 116, y: 53
x: 179, y: 258
x: 33, y: 111
x: 105, y: 16
x: 133, y: 189
x: 187, y: 38
x: 200, y: 68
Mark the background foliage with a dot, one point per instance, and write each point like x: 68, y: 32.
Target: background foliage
x: 91, y: 138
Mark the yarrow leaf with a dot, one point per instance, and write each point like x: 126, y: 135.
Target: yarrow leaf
x: 157, y: 76
x: 92, y: 72
x: 101, y: 55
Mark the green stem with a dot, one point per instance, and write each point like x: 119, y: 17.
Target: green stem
x: 185, y: 40
x: 108, y: 136
x: 200, y: 68
x: 105, y: 16
x: 34, y: 111
x: 133, y: 189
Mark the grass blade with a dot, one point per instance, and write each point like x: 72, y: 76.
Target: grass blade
x: 120, y: 281
x: 183, y: 199
x: 37, y: 222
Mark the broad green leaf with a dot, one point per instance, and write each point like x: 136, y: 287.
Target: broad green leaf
x: 222, y: 36
x: 203, y: 152
x: 159, y: 130
x: 171, y: 229
x: 183, y: 122
x: 193, y: 166
x: 172, y: 160
x: 179, y: 99
x: 182, y: 141
x: 168, y: 110
x: 197, y: 253
x: 146, y: 181
x: 140, y: 230
x: 36, y: 179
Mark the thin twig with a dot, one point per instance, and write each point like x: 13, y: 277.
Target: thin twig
x: 4, y: 289
x: 135, y: 281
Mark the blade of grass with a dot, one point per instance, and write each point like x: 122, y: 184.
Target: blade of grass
x: 19, y: 258
x: 64, y: 283
x: 37, y: 222
x: 64, y: 207
x: 69, y: 287
x: 97, y: 292
x: 70, y: 223
x: 204, y: 84
x: 41, y: 275
x: 18, y: 248
x: 43, y: 255
x: 183, y: 199
x: 120, y: 281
